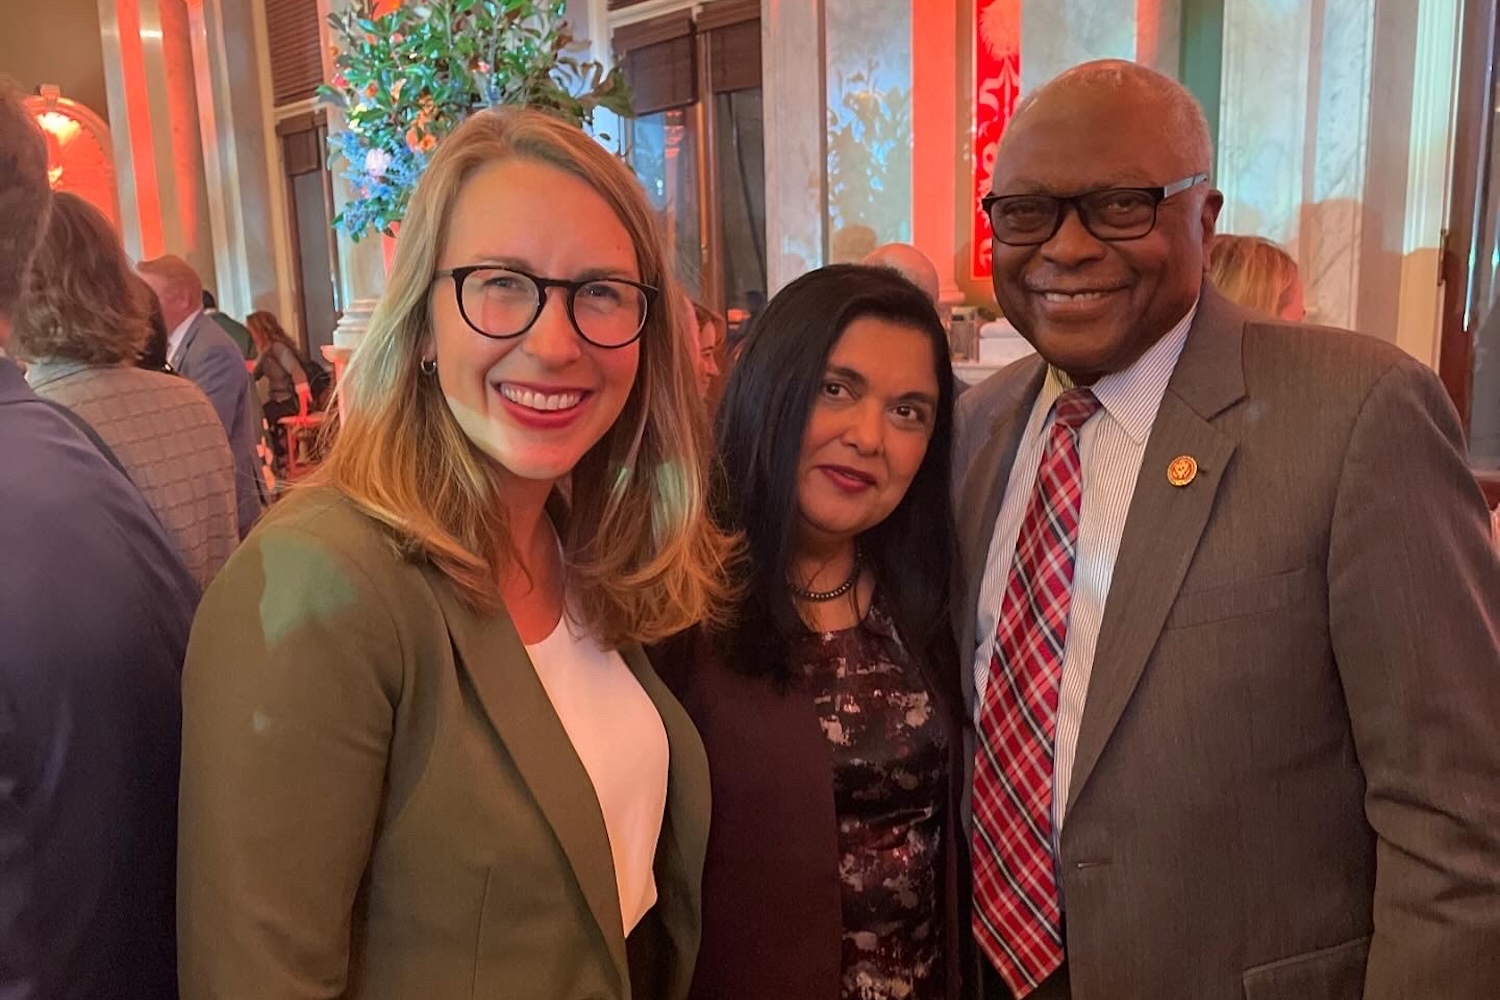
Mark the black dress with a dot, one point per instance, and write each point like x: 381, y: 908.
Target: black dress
x: 891, y: 788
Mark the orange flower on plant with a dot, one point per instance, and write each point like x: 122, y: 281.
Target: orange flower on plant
x: 371, y: 90
x: 420, y: 142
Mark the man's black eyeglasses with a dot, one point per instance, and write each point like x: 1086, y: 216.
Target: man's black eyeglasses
x: 503, y: 302
x: 1111, y: 214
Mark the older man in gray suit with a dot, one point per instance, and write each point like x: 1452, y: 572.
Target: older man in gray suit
x: 1233, y: 616
x: 199, y: 349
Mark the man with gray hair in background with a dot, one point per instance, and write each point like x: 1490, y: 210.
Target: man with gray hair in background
x: 199, y: 349
x: 1232, y: 615
x: 95, y: 605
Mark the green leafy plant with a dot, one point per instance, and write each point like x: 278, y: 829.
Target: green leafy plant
x: 869, y: 156
x: 407, y: 75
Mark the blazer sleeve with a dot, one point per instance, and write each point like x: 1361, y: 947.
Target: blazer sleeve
x: 293, y: 674
x: 1414, y: 614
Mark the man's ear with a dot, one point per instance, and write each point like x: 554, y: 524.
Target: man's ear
x: 1208, y: 221
x: 1213, y: 204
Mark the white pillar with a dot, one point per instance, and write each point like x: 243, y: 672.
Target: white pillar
x: 148, y: 65
x: 796, y: 160
x: 251, y: 238
x: 361, y: 266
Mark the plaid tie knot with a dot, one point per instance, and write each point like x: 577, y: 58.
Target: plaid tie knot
x: 1073, y: 409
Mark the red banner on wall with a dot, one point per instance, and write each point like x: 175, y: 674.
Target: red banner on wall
x: 997, y: 87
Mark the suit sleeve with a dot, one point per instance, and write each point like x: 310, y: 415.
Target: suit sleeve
x: 223, y: 378
x: 1414, y: 613
x: 293, y: 674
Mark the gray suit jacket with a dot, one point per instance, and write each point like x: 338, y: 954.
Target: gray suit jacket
x: 1287, y: 782
x: 210, y: 358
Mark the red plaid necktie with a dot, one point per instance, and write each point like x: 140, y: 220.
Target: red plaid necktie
x: 1017, y: 909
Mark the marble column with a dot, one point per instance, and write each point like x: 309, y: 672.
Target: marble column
x: 361, y: 277
x: 148, y: 67
x: 251, y: 238
x: 792, y: 47
x: 940, y: 161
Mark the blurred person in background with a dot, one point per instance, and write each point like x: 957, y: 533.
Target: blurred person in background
x: 916, y: 267
x: 154, y: 354
x: 199, y: 349
x: 81, y: 327
x: 709, y: 327
x: 280, y: 372
x: 909, y: 262
x: 237, y: 331
x: 95, y: 605
x: 1257, y: 274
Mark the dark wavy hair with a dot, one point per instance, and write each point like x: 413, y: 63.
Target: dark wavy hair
x: 759, y: 431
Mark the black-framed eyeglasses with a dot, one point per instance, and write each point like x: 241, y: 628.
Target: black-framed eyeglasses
x: 503, y: 302
x: 1111, y: 214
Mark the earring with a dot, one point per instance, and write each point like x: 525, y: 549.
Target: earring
x: 428, y: 366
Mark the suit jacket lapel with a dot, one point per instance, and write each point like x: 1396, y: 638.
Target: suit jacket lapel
x: 980, y: 497
x: 493, y: 658
x: 1165, y: 522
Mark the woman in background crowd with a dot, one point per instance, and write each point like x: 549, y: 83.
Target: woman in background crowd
x: 280, y: 372
x: 710, y: 327
x: 1257, y: 274
x: 82, y: 325
x: 424, y: 755
x: 831, y: 708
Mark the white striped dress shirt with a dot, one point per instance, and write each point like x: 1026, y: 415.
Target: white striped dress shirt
x: 1111, y: 446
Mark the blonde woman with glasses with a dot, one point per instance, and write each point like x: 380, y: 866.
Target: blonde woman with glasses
x: 424, y: 755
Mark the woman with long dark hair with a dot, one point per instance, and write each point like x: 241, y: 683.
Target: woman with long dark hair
x: 830, y: 708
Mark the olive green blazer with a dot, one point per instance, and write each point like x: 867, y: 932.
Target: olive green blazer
x: 378, y: 800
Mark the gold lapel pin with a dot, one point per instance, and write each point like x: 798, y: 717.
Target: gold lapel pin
x: 1183, y: 470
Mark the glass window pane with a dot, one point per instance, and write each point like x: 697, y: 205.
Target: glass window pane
x: 869, y: 125
x: 664, y: 155
x: 739, y: 137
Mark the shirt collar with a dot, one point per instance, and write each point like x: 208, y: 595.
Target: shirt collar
x: 1132, y: 396
x: 174, y: 339
x: 40, y: 373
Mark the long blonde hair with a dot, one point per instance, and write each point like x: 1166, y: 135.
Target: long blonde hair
x: 644, y: 560
x: 1252, y: 271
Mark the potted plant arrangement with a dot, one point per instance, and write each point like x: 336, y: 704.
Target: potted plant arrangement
x: 408, y: 73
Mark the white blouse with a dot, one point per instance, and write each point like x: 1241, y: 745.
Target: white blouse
x: 619, y: 737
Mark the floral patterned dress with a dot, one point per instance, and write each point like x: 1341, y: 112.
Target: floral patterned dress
x: 890, y: 761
